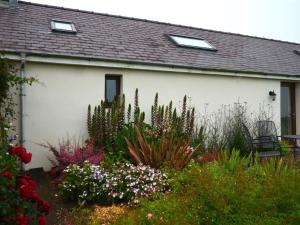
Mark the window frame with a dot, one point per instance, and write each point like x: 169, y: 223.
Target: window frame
x: 53, y: 27
x: 170, y: 36
x: 297, y: 51
x: 117, y: 78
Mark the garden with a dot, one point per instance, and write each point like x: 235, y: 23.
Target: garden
x: 177, y: 167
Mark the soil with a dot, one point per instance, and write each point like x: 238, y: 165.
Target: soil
x: 49, y: 191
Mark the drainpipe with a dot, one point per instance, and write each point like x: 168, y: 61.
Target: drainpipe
x: 22, y: 104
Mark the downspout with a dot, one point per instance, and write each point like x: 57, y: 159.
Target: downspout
x: 22, y: 104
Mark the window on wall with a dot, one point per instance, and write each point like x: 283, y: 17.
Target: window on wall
x: 112, y: 87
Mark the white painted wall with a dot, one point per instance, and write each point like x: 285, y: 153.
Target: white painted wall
x: 58, y: 105
x: 297, y: 96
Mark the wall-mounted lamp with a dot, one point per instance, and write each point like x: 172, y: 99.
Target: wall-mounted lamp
x: 272, y: 95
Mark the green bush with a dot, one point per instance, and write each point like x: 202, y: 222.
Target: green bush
x: 284, y: 147
x: 217, y: 194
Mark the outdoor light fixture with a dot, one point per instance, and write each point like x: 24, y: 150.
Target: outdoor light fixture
x: 272, y: 95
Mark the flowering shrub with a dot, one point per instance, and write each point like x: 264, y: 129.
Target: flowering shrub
x: 125, y: 183
x: 128, y: 182
x: 19, y: 201
x: 71, y: 153
x: 21, y: 152
x: 84, y: 183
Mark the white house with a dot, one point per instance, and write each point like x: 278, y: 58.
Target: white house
x: 75, y: 53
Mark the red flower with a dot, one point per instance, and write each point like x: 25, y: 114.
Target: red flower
x: 27, y: 187
x: 26, y: 157
x: 27, y: 181
x: 22, y: 153
x: 42, y: 220
x: 18, y: 150
x: 7, y: 174
x: 43, y: 206
x: 23, y: 220
x: 26, y: 192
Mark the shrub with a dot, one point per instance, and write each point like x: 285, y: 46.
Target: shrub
x: 209, y: 194
x: 125, y: 183
x: 129, y: 183
x: 9, y: 84
x: 84, y: 183
x: 232, y: 127
x: 69, y: 153
x: 208, y: 156
x: 231, y: 162
x: 19, y: 201
x: 171, y: 151
x: 284, y: 147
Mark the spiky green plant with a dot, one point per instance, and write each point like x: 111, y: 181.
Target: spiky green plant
x: 170, y: 151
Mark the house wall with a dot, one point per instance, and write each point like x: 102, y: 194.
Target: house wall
x: 57, y: 106
x: 297, y: 97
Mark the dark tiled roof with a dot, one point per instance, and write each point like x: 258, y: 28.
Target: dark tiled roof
x: 27, y: 29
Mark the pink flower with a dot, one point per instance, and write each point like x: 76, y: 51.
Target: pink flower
x: 189, y: 150
x: 149, y: 216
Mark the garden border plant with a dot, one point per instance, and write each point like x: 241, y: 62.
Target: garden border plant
x: 19, y: 201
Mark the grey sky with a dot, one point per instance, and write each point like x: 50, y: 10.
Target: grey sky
x: 277, y: 19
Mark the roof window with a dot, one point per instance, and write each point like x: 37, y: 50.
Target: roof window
x: 192, y: 42
x: 63, y: 26
x: 297, y: 52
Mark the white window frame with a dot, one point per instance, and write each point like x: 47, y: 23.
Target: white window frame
x: 173, y: 39
x: 53, y: 27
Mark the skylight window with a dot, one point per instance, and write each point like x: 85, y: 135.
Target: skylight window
x: 192, y: 42
x: 297, y: 52
x: 63, y: 26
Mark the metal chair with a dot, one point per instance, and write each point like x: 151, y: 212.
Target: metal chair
x: 261, y: 144
x: 266, y: 136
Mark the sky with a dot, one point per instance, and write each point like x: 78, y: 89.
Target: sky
x: 275, y: 19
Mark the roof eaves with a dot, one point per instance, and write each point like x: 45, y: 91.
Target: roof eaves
x: 178, y: 66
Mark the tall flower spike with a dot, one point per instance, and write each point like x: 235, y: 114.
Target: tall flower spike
x: 187, y: 122
x: 89, y: 121
x: 129, y: 113
x: 192, y: 121
x: 183, y: 113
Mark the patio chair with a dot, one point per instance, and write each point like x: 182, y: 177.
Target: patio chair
x: 264, y: 145
x: 266, y: 136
